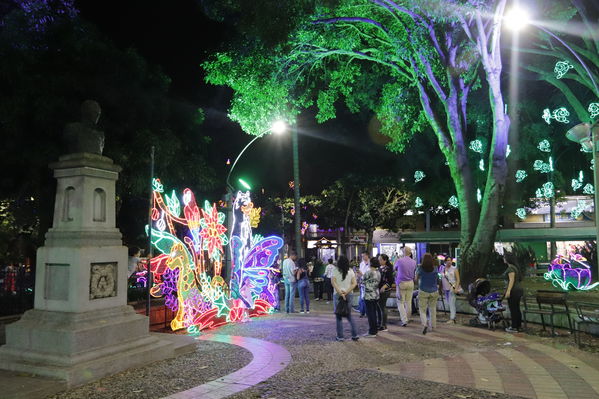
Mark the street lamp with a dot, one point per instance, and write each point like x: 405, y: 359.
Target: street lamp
x: 585, y: 134
x: 278, y: 127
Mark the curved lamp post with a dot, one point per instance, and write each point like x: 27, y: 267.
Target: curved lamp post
x: 277, y: 127
x: 585, y: 134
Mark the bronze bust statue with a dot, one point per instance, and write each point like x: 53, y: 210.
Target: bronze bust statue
x: 83, y: 136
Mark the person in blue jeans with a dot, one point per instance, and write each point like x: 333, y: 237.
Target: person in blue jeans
x: 303, y: 285
x: 289, y: 280
x: 344, y: 282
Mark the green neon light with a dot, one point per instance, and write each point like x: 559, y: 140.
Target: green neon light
x: 521, y: 213
x: 418, y: 176
x: 562, y: 68
x: 481, y: 165
x: 547, y: 190
x: 544, y: 146
x: 418, y: 203
x: 543, y: 167
x: 588, y: 189
x: 508, y: 151
x: 580, y: 207
x: 547, y: 115
x: 245, y: 184
x: 479, y: 196
x: 453, y: 201
x: 520, y: 175
x: 561, y: 115
x: 594, y: 110
x: 576, y: 184
x: 476, y: 146
x: 592, y: 167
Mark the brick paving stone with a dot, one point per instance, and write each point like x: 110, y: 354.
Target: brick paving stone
x: 513, y: 377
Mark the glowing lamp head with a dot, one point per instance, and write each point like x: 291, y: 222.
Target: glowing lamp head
x: 516, y: 19
x: 582, y: 135
x: 244, y: 184
x: 279, y: 127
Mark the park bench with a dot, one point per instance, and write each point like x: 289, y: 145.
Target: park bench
x: 549, y: 303
x: 586, y: 313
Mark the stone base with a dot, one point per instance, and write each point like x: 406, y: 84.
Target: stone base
x: 83, y: 347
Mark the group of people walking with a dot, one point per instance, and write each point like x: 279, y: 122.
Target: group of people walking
x: 375, y: 277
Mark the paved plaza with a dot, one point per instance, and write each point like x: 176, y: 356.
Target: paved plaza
x: 296, y: 356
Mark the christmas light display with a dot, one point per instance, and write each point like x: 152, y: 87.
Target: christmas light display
x: 588, y: 189
x: 508, y: 151
x: 418, y: 176
x: 521, y: 213
x: 481, y: 165
x: 544, y: 146
x: 476, y: 146
x: 479, y: 195
x: 580, y: 207
x: 594, y: 110
x: 187, y: 271
x: 592, y: 167
x: 418, y: 203
x: 520, y: 175
x: 543, y: 167
x: 562, y: 68
x: 547, y: 190
x: 453, y: 201
x: 577, y: 183
x: 560, y: 115
x: 570, y: 273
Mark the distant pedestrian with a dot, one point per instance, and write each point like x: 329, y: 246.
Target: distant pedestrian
x: 513, y: 292
x: 364, y: 266
x: 344, y: 282
x: 428, y: 286
x: 303, y: 285
x: 371, y: 280
x: 290, y: 282
x: 317, y: 275
x: 134, y: 261
x: 450, y: 281
x: 404, y: 285
x: 328, y: 275
x: 385, y: 285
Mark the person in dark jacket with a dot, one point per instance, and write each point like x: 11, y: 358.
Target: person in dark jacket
x: 386, y: 270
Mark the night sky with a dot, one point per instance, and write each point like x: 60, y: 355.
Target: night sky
x: 177, y: 36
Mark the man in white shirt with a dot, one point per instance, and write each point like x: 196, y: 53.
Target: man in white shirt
x: 289, y: 280
x: 364, y: 266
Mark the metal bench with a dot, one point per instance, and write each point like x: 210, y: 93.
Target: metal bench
x: 547, y: 302
x: 586, y: 313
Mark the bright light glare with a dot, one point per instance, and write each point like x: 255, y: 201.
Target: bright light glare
x: 279, y: 127
x: 245, y: 184
x: 516, y: 19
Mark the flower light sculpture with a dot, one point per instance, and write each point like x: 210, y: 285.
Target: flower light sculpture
x: 570, y: 273
x: 187, y: 271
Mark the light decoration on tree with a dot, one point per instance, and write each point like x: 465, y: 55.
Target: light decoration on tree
x: 562, y: 68
x: 187, y: 272
x: 577, y: 183
x: 418, y: 203
x: 453, y: 201
x: 543, y: 167
x: 578, y: 210
x: 588, y: 189
x: 481, y: 165
x: 544, y: 146
x: 479, y: 195
x: 594, y: 110
x: 592, y: 167
x: 570, y: 272
x: 521, y: 213
x: 418, y: 176
x: 476, y: 146
x: 560, y: 115
x: 547, y: 190
x: 508, y: 151
x: 521, y: 175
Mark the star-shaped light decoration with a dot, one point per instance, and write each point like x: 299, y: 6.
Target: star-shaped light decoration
x: 213, y: 231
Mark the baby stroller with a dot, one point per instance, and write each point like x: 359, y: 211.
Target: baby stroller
x: 488, y: 305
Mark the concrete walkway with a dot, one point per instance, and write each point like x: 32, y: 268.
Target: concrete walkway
x: 268, y: 360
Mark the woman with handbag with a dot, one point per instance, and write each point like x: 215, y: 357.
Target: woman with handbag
x: 344, y: 282
x: 385, y: 284
x: 450, y: 279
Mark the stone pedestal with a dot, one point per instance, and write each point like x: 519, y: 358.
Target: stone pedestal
x: 81, y: 328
